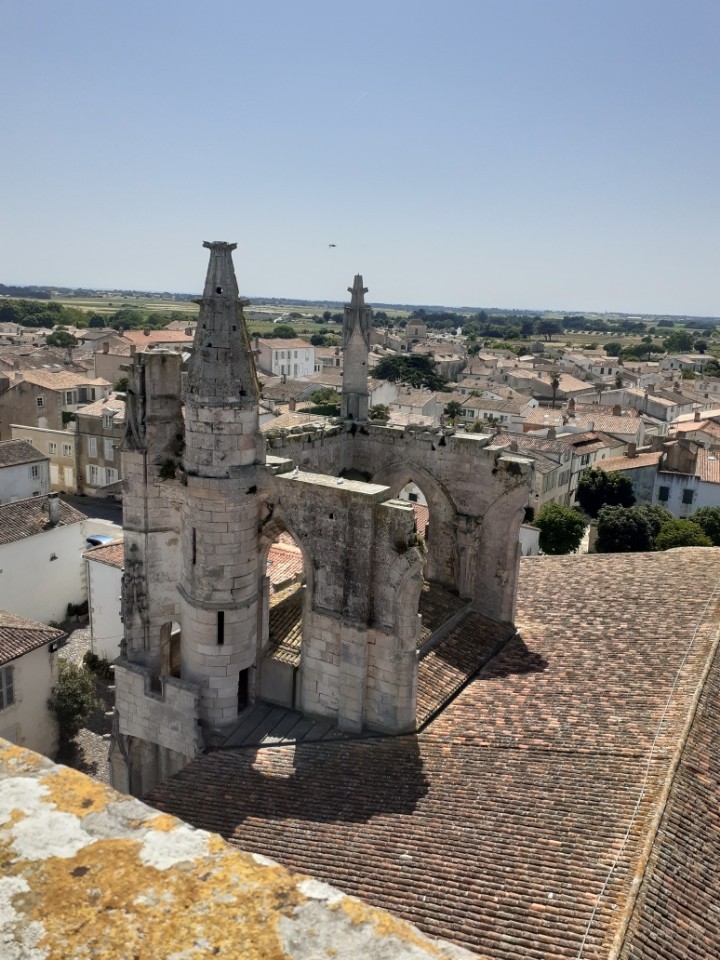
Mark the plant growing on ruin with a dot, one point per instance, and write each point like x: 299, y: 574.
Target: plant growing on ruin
x: 379, y: 413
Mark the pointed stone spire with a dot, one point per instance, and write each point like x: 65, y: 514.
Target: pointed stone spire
x: 356, y: 346
x: 221, y: 369
x: 357, y: 292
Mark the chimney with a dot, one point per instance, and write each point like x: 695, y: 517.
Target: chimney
x: 617, y: 410
x: 632, y: 450
x: 696, y: 417
x: 291, y: 404
x: 53, y: 508
x: 146, y: 331
x: 188, y: 331
x: 106, y: 346
x: 283, y: 378
x: 551, y: 434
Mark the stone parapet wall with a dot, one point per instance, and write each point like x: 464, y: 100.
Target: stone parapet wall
x: 169, y: 719
x: 96, y: 873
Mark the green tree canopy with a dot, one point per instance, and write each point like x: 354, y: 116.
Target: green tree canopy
x: 281, y: 330
x: 679, y: 341
x: 629, y: 529
x: 561, y: 529
x: 597, y: 489
x: 708, y: 519
x: 325, y: 395
x: 415, y: 369
x: 681, y: 533
x: 73, y: 698
x: 548, y: 328
x: 61, y: 338
x: 613, y: 348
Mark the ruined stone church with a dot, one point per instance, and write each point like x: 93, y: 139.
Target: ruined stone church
x: 206, y: 494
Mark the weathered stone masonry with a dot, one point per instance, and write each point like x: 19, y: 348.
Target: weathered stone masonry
x: 203, y: 502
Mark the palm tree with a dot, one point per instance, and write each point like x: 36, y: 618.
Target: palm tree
x: 453, y: 409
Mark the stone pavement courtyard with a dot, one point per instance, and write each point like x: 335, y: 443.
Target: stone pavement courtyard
x: 88, y: 752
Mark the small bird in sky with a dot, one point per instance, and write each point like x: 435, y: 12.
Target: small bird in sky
x: 332, y: 244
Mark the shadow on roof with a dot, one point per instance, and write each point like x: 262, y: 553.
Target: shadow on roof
x: 349, y: 781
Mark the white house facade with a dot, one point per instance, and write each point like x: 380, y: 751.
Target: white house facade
x: 104, y: 579
x: 24, y: 471
x: 41, y: 566
x: 291, y: 358
x: 28, y: 670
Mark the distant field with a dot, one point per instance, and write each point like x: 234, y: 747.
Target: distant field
x: 105, y: 305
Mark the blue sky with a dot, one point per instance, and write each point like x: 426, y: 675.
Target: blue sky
x: 558, y: 154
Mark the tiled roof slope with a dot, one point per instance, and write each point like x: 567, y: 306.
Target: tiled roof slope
x: 25, y: 518
x: 516, y: 822
x: 112, y: 554
x: 677, y: 913
x: 112, y: 405
x: 13, y: 453
x: 19, y: 636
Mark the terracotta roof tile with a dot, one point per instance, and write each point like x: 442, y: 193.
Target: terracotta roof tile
x: 676, y: 914
x: 285, y: 562
x: 610, y: 464
x: 112, y: 554
x: 13, y: 453
x: 286, y: 421
x: 140, y: 338
x: 19, y: 636
x: 707, y: 465
x: 517, y: 821
x: 273, y: 388
x: 293, y: 343
x: 25, y: 518
x: 110, y: 405
x: 62, y: 380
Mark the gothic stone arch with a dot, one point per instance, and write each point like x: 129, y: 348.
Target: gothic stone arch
x: 442, y: 552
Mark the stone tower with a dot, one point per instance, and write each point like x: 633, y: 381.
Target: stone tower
x: 356, y: 346
x: 203, y: 504
x: 223, y: 448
